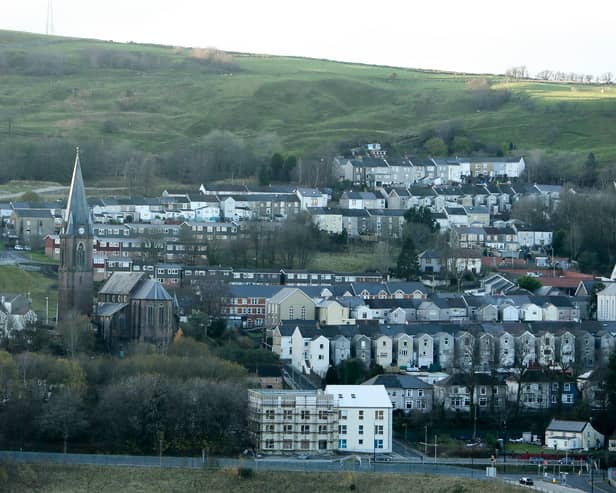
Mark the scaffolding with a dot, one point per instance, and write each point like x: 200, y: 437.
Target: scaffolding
x: 290, y: 421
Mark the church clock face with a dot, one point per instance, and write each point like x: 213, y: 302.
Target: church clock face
x: 81, y: 230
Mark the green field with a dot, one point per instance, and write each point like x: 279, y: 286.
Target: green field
x: 85, y: 479
x: 15, y: 280
x: 159, y: 96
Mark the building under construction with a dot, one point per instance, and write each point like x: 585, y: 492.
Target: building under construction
x: 290, y: 420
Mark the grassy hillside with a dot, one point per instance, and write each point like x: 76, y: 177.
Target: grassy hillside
x: 68, y: 479
x: 157, y: 97
x: 15, y: 280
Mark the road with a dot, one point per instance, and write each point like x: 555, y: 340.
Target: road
x: 335, y: 464
x: 11, y: 257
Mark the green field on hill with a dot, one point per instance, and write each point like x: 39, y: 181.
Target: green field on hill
x: 17, y: 281
x: 157, y: 97
x: 84, y: 479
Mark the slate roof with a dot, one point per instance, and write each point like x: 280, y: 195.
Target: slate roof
x: 38, y: 213
x: 121, y: 283
x: 77, y: 210
x: 359, y: 195
x: 564, y: 425
x: 148, y: 289
x: 395, y: 381
x: 253, y: 291
x: 109, y: 309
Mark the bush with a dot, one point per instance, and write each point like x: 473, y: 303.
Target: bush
x: 243, y: 472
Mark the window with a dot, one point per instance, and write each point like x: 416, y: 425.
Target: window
x: 269, y: 414
x: 361, y: 414
x: 303, y: 313
x: 342, y: 429
x: 80, y: 255
x: 269, y: 444
x: 291, y: 313
x: 567, y: 387
x: 288, y: 414
x: 322, y: 428
x: 360, y: 442
x: 360, y: 430
x: 305, y: 429
x: 342, y: 414
x: 322, y: 414
x: 287, y: 444
x: 483, y: 401
x: 378, y: 430
x: 305, y: 414
x: 420, y: 393
x: 270, y: 428
x: 161, y: 316
x: 288, y: 428
x: 379, y: 414
x: 378, y: 444
x: 342, y: 443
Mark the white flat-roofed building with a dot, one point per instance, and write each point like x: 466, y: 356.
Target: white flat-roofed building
x: 364, y: 418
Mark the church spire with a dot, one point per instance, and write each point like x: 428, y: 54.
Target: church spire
x: 78, y: 217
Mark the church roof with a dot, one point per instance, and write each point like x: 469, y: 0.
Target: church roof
x: 121, y: 283
x: 149, y: 289
x: 77, y: 209
x: 109, y: 309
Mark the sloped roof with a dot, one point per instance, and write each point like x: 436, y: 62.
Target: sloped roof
x: 109, y: 309
x: 359, y: 395
x: 398, y: 382
x: 565, y: 425
x: 148, y: 289
x: 77, y: 209
x: 121, y: 283
x: 39, y: 213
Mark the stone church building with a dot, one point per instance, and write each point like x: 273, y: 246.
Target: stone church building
x: 130, y: 306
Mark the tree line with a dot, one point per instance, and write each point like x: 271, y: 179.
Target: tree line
x: 584, y: 225
x: 521, y: 72
x: 182, y: 402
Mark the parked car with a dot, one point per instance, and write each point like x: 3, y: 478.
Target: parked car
x: 536, y: 460
x: 526, y: 481
x: 566, y: 460
x: 383, y: 458
x: 18, y: 247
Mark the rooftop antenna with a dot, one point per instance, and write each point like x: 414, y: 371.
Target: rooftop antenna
x: 49, y: 26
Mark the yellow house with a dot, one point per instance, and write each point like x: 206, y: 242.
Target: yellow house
x: 330, y: 312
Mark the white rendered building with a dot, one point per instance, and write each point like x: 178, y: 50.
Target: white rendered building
x: 364, y: 418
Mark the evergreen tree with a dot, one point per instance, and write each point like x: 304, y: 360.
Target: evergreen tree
x: 277, y: 165
x: 407, y: 266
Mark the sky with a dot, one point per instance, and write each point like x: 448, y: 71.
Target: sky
x: 471, y: 36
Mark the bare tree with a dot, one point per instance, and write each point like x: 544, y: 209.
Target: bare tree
x: 77, y: 333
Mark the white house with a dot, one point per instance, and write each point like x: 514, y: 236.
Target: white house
x: 424, y: 349
x: 403, y: 347
x: 529, y: 312
x: 572, y: 435
x: 382, y: 347
x: 606, y: 304
x: 311, y: 197
x: 364, y: 418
